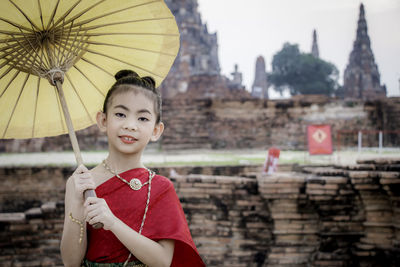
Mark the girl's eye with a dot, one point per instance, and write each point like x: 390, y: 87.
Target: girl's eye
x: 143, y: 119
x: 120, y: 115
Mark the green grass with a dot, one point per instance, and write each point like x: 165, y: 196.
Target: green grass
x: 156, y: 158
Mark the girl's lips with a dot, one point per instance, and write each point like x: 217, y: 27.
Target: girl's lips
x: 128, y: 139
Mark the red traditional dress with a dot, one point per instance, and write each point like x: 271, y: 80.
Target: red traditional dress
x: 164, y: 220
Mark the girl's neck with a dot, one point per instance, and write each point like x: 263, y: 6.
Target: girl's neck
x: 122, y: 162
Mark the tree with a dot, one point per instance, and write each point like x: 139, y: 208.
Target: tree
x: 302, y: 73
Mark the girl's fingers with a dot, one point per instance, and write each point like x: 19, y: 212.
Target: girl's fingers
x: 87, y: 185
x: 90, y: 201
x: 94, y: 220
x: 82, y: 187
x: 93, y: 213
x: 86, y: 175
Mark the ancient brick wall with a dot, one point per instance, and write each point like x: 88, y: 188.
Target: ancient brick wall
x: 318, y: 216
x: 245, y: 123
x: 257, y: 123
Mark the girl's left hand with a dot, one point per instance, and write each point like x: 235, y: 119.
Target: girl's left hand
x: 97, y: 210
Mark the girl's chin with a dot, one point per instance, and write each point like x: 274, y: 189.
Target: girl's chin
x: 128, y: 149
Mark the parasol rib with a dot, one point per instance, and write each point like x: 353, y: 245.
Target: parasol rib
x: 125, y: 62
x: 62, y: 18
x: 36, y: 106
x: 14, y: 56
x: 34, y: 49
x: 70, y: 51
x: 21, y: 44
x: 16, y: 103
x: 53, y: 13
x: 64, y: 46
x: 106, y: 14
x: 80, y: 49
x: 97, y: 66
x: 9, y: 83
x: 40, y: 13
x: 26, y: 17
x: 80, y: 99
x: 8, y: 45
x: 16, y: 25
x: 5, y: 72
x: 13, y: 59
x: 9, y: 33
x: 16, y: 50
x: 132, y: 48
x: 3, y: 64
x: 132, y: 33
x: 87, y: 78
x: 119, y: 23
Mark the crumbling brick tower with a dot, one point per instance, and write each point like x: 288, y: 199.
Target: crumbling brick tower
x: 198, y: 54
x: 361, y: 76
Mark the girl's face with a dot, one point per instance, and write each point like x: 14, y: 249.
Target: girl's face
x: 130, y: 122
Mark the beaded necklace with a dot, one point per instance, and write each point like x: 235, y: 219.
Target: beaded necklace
x: 135, y: 184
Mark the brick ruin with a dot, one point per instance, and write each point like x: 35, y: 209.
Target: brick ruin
x: 245, y: 123
x: 196, y: 72
x: 316, y: 216
x: 260, y: 84
x: 361, y: 76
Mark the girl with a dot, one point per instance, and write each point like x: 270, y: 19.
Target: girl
x: 144, y: 224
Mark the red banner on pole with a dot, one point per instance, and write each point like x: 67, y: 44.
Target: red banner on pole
x: 271, y: 163
x: 319, y: 139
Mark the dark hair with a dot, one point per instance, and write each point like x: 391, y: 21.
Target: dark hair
x: 128, y: 80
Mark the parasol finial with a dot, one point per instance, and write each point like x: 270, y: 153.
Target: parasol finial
x: 55, y: 75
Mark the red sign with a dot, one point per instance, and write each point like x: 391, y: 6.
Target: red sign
x: 271, y: 163
x: 319, y: 139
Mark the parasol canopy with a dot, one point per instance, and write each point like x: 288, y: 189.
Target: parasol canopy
x: 82, y: 43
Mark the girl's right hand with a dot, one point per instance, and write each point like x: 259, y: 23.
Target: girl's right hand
x: 82, y: 180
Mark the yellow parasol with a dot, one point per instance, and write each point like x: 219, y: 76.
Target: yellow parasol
x: 58, y: 58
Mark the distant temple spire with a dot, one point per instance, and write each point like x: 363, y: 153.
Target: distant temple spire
x: 198, y: 53
x: 260, y: 85
x: 314, y: 48
x: 237, y: 76
x: 361, y: 76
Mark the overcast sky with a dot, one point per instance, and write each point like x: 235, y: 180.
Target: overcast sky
x: 248, y: 29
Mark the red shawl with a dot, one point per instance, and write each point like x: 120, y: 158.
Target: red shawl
x: 164, y: 220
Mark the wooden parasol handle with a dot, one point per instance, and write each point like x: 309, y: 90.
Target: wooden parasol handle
x: 74, y: 140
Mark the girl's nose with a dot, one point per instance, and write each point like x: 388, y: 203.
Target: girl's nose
x: 131, y: 126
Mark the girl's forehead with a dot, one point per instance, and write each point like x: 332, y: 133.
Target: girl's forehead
x: 132, y: 99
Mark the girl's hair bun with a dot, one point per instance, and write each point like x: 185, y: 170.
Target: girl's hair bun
x: 150, y: 81
x: 125, y: 73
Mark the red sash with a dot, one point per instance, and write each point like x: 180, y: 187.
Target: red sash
x: 164, y: 220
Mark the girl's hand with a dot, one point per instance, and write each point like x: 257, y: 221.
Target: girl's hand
x: 82, y: 181
x: 97, y: 210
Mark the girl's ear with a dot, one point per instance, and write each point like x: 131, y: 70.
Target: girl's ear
x: 101, y: 121
x: 157, y: 132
